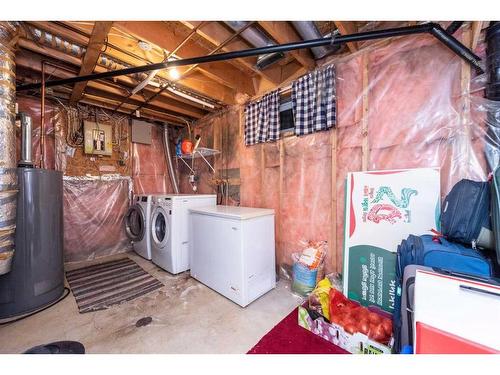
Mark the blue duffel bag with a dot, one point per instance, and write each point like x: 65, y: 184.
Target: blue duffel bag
x: 438, y: 253
x: 466, y: 214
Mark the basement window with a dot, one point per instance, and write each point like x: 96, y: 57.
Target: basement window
x: 287, y: 122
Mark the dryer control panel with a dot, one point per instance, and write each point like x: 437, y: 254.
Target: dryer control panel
x: 165, y: 202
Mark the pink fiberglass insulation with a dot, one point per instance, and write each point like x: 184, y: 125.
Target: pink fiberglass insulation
x: 414, y: 111
x: 306, y: 195
x: 415, y: 116
x: 54, y: 117
x: 150, y: 174
x: 94, y: 211
x: 251, y: 175
x: 414, y: 103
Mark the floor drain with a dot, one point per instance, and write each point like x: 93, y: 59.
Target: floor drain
x: 143, y: 321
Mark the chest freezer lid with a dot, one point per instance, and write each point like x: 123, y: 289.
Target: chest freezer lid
x: 190, y: 196
x: 233, y: 212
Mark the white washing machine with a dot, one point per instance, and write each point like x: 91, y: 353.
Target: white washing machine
x: 138, y: 225
x: 170, y: 229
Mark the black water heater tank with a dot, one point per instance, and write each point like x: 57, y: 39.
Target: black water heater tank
x: 36, y: 278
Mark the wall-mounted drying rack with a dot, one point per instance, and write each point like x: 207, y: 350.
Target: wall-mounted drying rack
x: 200, y: 152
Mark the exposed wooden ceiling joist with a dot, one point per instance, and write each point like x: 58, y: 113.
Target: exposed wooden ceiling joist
x: 64, y: 92
x: 282, y: 32
x: 146, y: 112
x: 33, y: 62
x: 266, y: 79
x: 197, y: 82
x: 121, y: 52
x: 216, y: 34
x: 105, y: 100
x: 346, y: 28
x: 96, y: 43
x: 157, y: 33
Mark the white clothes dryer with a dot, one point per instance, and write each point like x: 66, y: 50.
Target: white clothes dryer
x: 170, y: 234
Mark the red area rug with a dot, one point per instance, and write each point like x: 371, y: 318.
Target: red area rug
x: 287, y: 337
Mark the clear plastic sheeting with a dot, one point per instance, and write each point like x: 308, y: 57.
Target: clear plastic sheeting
x: 94, y: 212
x: 405, y: 103
x: 414, y: 109
x: 149, y: 172
x: 54, y: 123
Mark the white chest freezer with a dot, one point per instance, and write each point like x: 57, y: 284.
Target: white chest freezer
x: 232, y: 251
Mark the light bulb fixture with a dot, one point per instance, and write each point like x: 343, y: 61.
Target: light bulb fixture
x: 145, y: 46
x: 189, y: 97
x: 174, y: 74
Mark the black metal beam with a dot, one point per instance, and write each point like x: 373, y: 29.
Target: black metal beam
x: 432, y: 28
x: 452, y: 43
x: 454, y: 26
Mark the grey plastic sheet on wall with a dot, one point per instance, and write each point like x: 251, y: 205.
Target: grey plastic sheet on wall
x: 94, y: 212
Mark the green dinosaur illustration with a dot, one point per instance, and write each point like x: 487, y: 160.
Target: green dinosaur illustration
x: 406, y: 194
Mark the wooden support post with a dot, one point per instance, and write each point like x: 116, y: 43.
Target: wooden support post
x: 365, y: 145
x: 464, y: 138
x: 335, y: 253
x: 262, y: 171
x: 477, y: 26
x: 217, y: 134
x: 281, y: 145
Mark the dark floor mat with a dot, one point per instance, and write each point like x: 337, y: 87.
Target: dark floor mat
x: 102, y: 285
x: 59, y: 347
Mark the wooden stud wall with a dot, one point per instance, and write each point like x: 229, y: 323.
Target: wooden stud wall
x: 365, y: 146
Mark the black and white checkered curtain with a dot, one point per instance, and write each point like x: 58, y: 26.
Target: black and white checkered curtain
x: 314, y: 101
x: 262, y: 119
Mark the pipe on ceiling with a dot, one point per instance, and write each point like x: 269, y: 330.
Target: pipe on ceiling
x: 454, y: 26
x: 435, y: 29
x: 252, y: 35
x: 8, y: 174
x: 308, y: 30
x: 144, y: 78
x: 46, y: 38
x: 257, y: 39
x: 457, y: 47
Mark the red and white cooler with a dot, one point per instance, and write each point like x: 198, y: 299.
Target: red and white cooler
x: 454, y: 315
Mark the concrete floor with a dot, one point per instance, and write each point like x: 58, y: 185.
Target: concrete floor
x: 188, y: 317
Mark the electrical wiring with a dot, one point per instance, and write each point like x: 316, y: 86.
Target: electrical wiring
x: 72, y: 133
x: 185, y: 120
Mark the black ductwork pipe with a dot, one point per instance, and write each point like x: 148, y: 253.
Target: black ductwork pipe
x: 493, y: 61
x: 452, y: 43
x: 431, y: 28
x: 454, y: 26
x: 492, y: 92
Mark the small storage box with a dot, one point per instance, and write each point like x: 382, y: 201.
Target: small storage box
x: 357, y: 343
